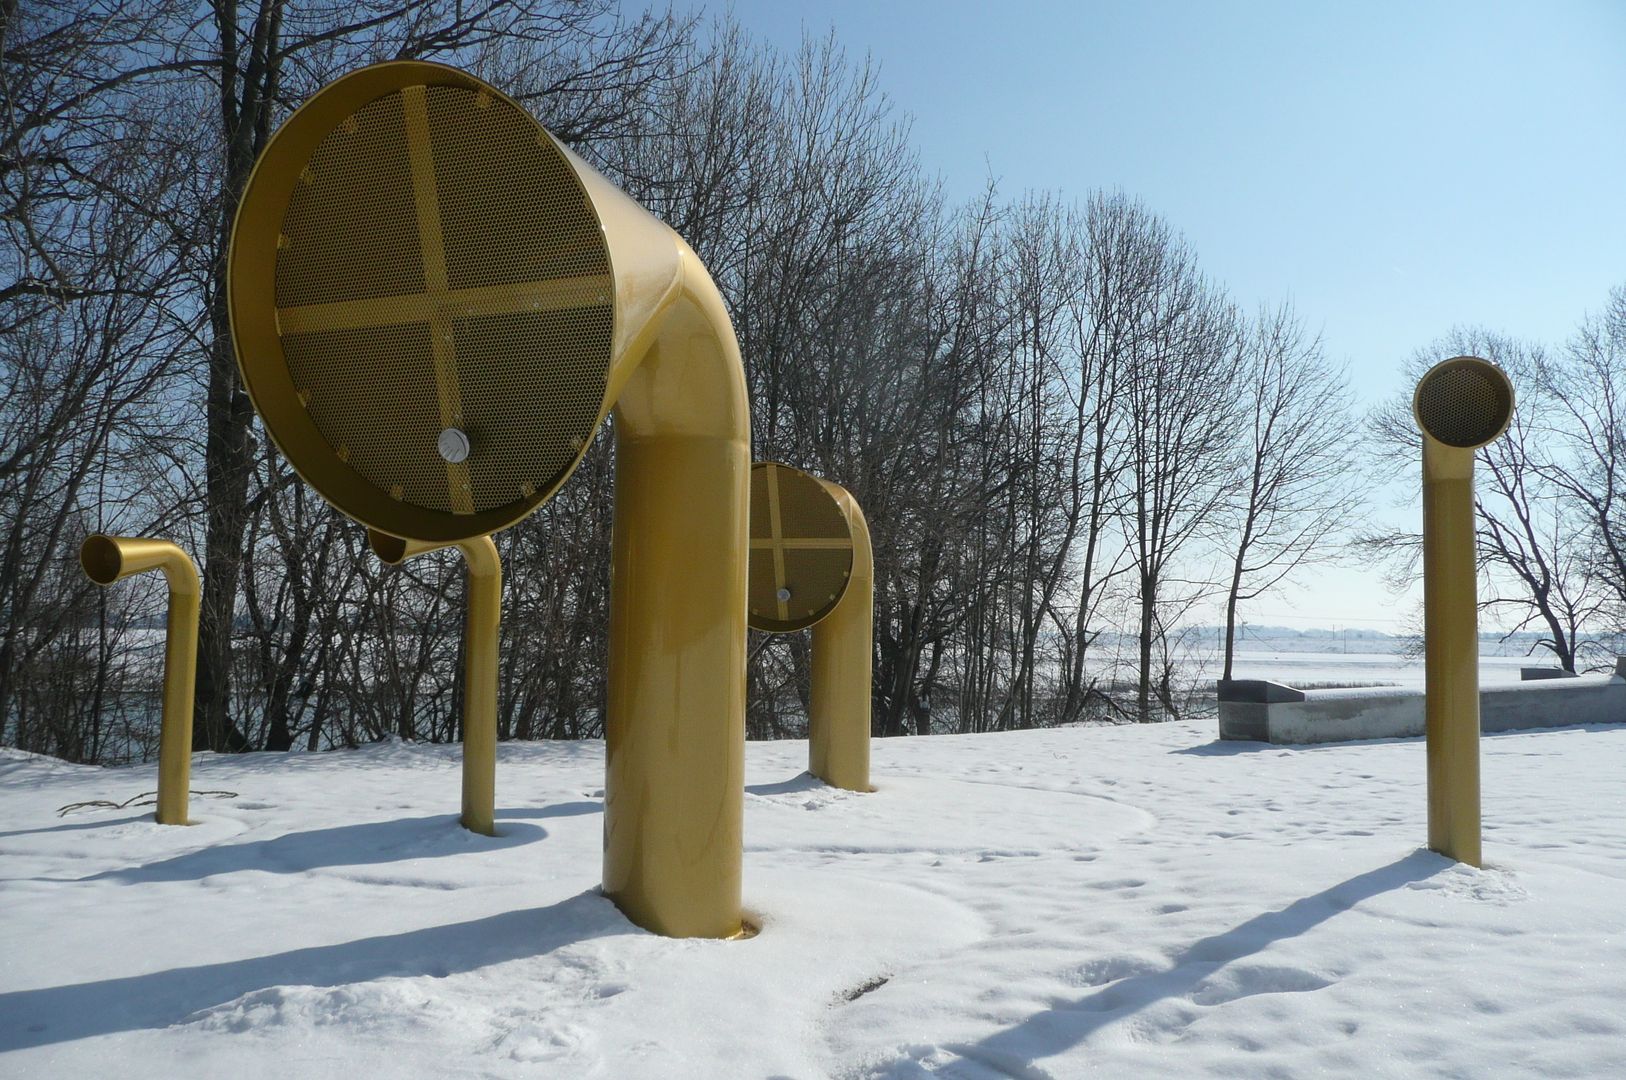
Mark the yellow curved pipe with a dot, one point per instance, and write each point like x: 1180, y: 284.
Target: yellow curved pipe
x: 675, y: 722
x: 1451, y: 592
x: 482, y: 623
x: 675, y: 719
x: 107, y: 559
x: 843, y: 649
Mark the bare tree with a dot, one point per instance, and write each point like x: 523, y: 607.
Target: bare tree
x: 1587, y: 388
x: 1103, y: 324
x: 1296, y: 491
x: 88, y: 337
x: 1181, y: 412
x: 1539, y: 488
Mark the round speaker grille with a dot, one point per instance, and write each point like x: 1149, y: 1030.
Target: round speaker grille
x: 801, y: 549
x: 1464, y: 402
x: 439, y: 267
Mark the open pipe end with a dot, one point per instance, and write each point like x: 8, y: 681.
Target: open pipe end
x: 1464, y: 402
x: 102, y: 559
x: 391, y: 550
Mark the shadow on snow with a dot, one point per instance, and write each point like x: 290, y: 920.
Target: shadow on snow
x: 58, y: 1014
x: 364, y: 844
x: 1066, y: 1024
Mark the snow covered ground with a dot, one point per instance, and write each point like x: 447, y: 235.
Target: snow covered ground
x: 1118, y: 902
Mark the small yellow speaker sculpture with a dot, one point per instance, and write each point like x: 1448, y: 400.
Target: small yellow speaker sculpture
x: 107, y: 559
x: 811, y: 565
x: 435, y: 304
x: 1460, y: 405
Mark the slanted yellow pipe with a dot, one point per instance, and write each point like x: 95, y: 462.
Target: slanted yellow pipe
x: 1460, y: 405
x: 107, y: 559
x: 482, y: 622
x: 843, y: 649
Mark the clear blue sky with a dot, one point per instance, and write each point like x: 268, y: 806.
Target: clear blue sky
x: 1393, y: 168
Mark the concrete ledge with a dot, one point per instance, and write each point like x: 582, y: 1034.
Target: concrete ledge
x: 1531, y: 674
x: 1257, y: 691
x: 1322, y: 716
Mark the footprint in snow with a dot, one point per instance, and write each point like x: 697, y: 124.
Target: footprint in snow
x: 1232, y: 983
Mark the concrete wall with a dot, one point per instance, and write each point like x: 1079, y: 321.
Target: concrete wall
x: 1270, y: 712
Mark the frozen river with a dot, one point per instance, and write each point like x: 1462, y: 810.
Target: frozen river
x: 1308, y: 668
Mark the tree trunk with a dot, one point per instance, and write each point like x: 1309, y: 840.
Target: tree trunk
x: 1230, y: 616
x: 226, y: 469
x: 1143, y: 687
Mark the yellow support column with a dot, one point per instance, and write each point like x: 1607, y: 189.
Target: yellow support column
x: 481, y: 627
x: 1460, y: 405
x: 675, y: 725
x: 107, y: 559
x: 843, y: 648
x: 1451, y: 651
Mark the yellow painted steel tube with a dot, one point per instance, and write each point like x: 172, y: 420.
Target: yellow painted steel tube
x: 675, y: 723
x: 843, y: 650
x: 1451, y: 651
x: 675, y: 718
x: 481, y: 626
x: 107, y: 559
x: 1460, y: 405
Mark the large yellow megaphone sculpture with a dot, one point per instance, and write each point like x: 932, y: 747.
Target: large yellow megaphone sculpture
x: 1460, y: 405
x: 434, y: 305
x: 811, y: 565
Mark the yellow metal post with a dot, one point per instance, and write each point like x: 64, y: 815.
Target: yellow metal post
x: 482, y: 623
x: 1460, y: 405
x: 675, y: 726
x: 107, y: 559
x: 843, y: 645
x: 1451, y: 651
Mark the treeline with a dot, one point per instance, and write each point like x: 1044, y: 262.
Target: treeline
x: 1058, y: 425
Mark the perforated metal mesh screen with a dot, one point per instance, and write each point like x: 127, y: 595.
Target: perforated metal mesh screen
x: 801, y: 550
x: 439, y: 266
x: 1464, y: 402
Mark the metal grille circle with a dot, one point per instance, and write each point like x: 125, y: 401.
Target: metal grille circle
x: 801, y: 549
x: 439, y: 267
x: 1465, y: 402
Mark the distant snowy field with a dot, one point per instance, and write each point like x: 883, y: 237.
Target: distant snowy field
x: 1310, y: 668
x: 1118, y: 902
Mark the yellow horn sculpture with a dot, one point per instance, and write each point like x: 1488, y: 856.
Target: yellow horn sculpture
x: 1460, y: 405
x: 435, y: 304
x: 812, y: 566
x: 481, y: 625
x: 107, y: 559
